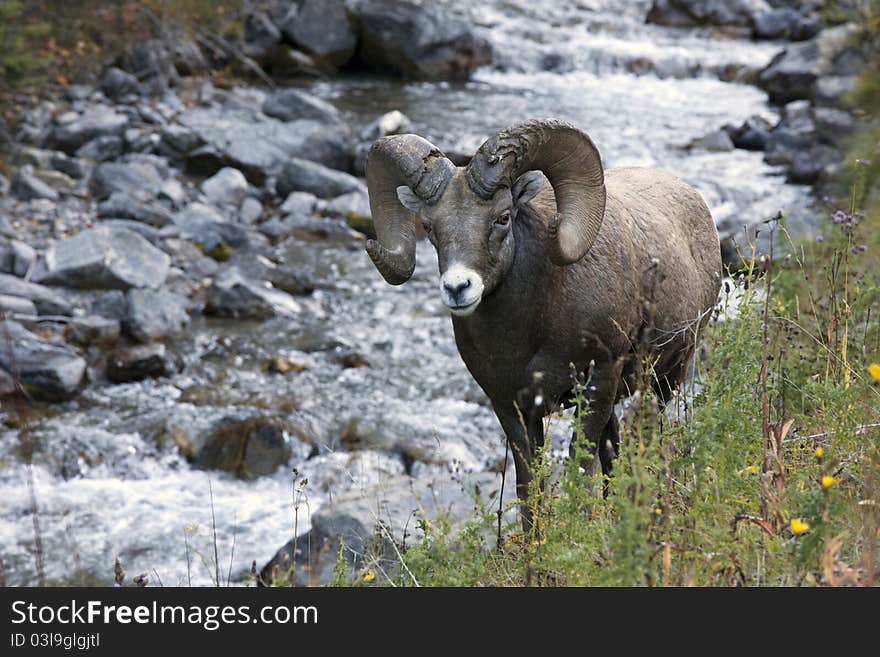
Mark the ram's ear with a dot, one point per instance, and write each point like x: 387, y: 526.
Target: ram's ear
x: 527, y: 187
x: 410, y: 200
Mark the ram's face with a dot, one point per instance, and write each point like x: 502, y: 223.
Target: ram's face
x: 473, y: 237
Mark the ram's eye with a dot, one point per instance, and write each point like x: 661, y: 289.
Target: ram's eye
x: 503, y: 219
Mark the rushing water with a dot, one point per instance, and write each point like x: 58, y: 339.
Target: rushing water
x: 107, y: 483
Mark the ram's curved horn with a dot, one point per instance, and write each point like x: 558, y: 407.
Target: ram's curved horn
x: 392, y: 162
x: 571, y: 162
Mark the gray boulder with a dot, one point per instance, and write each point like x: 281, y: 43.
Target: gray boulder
x: 23, y: 258
x: 324, y: 29
x: 155, y: 314
x: 123, y: 206
x: 48, y: 302
x: 752, y: 135
x: 261, y: 36
x: 831, y: 58
x: 142, y: 362
x: 116, y: 84
x: 300, y: 175
x: 293, y: 104
x: 54, y: 372
x: 74, y: 130
x: 414, y: 40
x: 103, y: 148
x: 248, y: 448
x: 26, y: 186
x: 92, y: 329
x: 226, y: 187
x: 259, y: 146
x: 105, y: 258
x: 785, y: 23
x: 232, y: 294
x: 16, y: 305
x: 692, y: 13
x: 138, y: 178
x: 207, y: 227
x: 716, y: 141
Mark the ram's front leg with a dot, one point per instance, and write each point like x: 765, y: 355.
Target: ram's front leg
x: 525, y: 438
x: 597, y: 422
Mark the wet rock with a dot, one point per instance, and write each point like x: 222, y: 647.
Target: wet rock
x: 47, y: 301
x: 692, y: 13
x: 300, y: 175
x: 280, y: 276
x: 324, y: 29
x: 309, y: 228
x: 105, y: 258
x: 293, y: 104
x: 16, y: 305
x: 247, y: 448
x: 808, y: 166
x: 261, y: 36
x: 58, y: 181
x: 752, y: 135
x: 250, y: 210
x: 419, y: 41
x: 46, y: 370
x: 139, y: 179
x: 172, y: 193
x: 105, y: 147
x: 785, y: 23
x: 92, y: 330
x: 226, y: 187
x: 23, y: 257
x: 205, y: 226
x: 299, y: 203
x: 6, y: 256
x: 75, y: 130
x: 353, y: 205
x: 795, y: 72
x: 116, y: 84
x: 716, y: 141
x: 123, y: 206
x: 142, y: 362
x: 110, y: 304
x: 26, y: 186
x: 232, y: 294
x: 398, y: 502
x: 834, y: 124
x: 155, y: 314
x: 258, y: 145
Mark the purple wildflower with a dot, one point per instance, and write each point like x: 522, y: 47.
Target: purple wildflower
x: 854, y: 248
x: 819, y: 238
x: 826, y: 199
x: 838, y: 216
x: 864, y: 162
x: 863, y: 247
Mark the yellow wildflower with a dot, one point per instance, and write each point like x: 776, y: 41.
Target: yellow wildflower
x: 874, y: 371
x: 798, y: 526
x: 827, y: 481
x: 369, y: 576
x: 820, y: 452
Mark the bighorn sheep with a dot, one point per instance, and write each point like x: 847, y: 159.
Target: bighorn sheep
x: 538, y: 277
